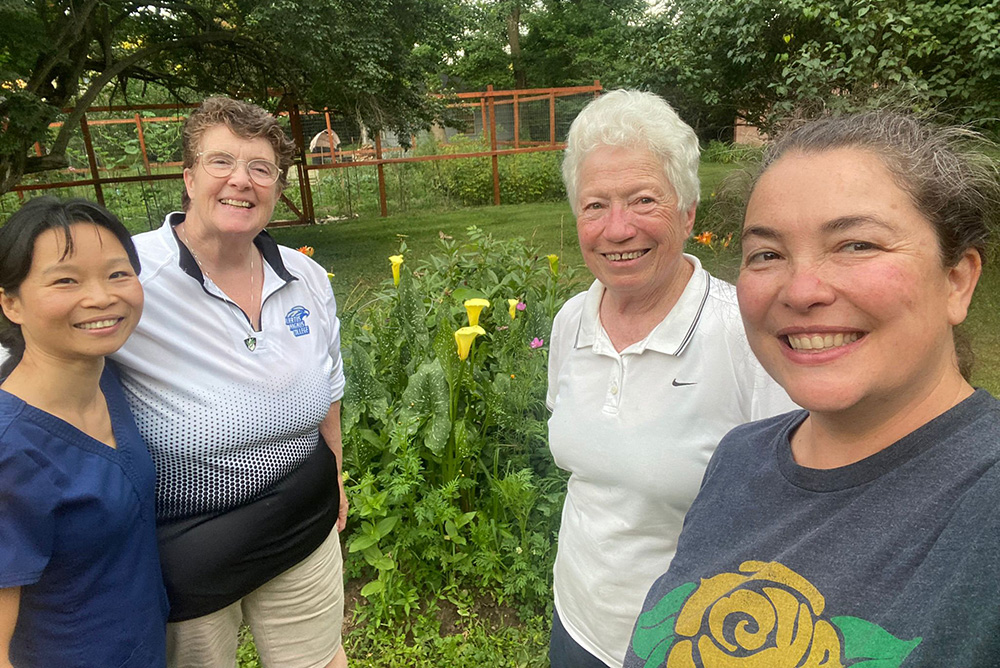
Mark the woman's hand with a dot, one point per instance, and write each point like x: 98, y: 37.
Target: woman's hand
x: 330, y: 429
x: 344, y: 505
x: 10, y: 602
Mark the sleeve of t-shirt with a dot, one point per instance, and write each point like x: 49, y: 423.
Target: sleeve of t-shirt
x: 27, y: 508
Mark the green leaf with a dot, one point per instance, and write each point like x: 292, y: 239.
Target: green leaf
x: 384, y: 564
x: 386, y: 525
x: 361, y: 543
x: 426, y: 401
x: 870, y: 646
x: 373, y: 587
x: 654, y: 633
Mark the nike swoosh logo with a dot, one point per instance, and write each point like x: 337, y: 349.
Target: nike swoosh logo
x: 677, y: 384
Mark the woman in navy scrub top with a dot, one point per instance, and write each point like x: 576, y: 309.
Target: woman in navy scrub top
x: 80, y: 581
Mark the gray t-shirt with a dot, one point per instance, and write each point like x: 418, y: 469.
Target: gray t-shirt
x: 893, y: 561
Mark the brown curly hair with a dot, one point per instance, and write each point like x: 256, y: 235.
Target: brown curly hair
x: 244, y: 120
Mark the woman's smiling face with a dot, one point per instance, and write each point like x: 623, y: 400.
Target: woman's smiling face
x: 76, y: 305
x: 234, y: 204
x: 842, y: 288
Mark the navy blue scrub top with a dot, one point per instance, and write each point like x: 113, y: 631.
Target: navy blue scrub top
x: 78, y: 535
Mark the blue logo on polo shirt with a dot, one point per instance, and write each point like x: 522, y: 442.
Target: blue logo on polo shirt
x: 296, y: 320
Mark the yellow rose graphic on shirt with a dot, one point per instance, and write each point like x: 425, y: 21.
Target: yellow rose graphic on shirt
x: 764, y: 616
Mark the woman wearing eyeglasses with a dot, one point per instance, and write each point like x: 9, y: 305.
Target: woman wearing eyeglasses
x: 235, y: 378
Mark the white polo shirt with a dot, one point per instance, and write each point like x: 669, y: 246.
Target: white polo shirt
x: 636, y: 430
x: 223, y: 421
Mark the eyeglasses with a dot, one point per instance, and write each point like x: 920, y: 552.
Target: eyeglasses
x: 222, y: 164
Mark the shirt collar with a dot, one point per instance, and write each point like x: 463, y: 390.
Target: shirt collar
x: 674, y: 332
x: 267, y: 246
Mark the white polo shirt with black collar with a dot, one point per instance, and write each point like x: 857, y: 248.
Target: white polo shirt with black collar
x: 635, y: 430
x: 227, y: 411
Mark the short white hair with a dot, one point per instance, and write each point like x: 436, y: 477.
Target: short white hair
x: 638, y: 120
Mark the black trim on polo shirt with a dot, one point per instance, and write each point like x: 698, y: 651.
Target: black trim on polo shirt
x: 264, y: 242
x: 272, y: 255
x: 697, y: 316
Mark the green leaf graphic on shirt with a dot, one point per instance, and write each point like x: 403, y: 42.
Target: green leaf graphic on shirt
x: 868, y: 645
x: 654, y: 632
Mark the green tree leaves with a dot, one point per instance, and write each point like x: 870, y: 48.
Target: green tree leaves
x: 770, y: 60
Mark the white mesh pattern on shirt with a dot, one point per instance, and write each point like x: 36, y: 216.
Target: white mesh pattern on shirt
x: 216, y: 448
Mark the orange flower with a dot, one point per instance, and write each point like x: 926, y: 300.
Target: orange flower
x: 307, y: 250
x: 705, y: 238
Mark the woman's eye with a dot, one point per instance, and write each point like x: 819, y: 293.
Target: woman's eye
x: 65, y: 280
x: 593, y: 206
x: 121, y: 274
x: 859, y: 246
x: 762, y: 256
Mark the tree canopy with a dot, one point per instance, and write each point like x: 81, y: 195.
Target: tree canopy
x: 374, y: 60
x: 769, y: 60
x: 353, y: 55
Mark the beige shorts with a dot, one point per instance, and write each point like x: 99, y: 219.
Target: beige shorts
x: 295, y: 618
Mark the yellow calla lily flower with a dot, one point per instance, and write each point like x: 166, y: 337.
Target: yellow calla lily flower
x: 397, y: 261
x: 464, y: 338
x: 553, y: 264
x: 512, y: 308
x: 473, y: 307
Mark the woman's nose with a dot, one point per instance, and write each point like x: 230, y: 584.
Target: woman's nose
x: 618, y: 224
x: 240, y: 178
x: 98, y: 295
x: 807, y: 286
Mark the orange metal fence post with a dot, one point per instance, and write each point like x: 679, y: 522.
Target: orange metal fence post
x: 493, y: 149
x: 381, y: 175
x: 517, y: 125
x: 295, y: 121
x: 552, y: 118
x: 142, y: 143
x: 329, y: 136
x: 482, y: 114
x: 92, y: 159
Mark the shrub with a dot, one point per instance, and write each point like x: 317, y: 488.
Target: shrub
x: 728, y: 153
x: 453, y: 485
x: 524, y: 177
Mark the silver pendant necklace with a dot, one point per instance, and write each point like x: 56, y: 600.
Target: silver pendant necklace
x: 251, y: 340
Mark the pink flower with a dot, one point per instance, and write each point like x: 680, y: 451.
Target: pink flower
x: 521, y: 306
x: 537, y: 342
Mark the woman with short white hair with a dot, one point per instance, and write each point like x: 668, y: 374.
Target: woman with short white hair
x: 648, y: 369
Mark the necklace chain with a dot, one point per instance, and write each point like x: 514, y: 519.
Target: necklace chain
x: 251, y: 341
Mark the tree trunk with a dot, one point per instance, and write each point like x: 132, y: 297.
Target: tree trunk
x: 514, y: 39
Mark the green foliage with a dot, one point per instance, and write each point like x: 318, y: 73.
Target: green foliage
x: 517, y: 44
x: 474, y: 643
x: 573, y: 42
x: 453, y: 488
x: 727, y: 153
x: 65, y: 53
x: 770, y: 60
x: 524, y: 177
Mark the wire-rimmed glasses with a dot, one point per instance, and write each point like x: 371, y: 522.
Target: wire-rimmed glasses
x: 221, y: 164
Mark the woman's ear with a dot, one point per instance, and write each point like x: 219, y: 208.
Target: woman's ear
x: 962, y: 280
x: 11, y: 305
